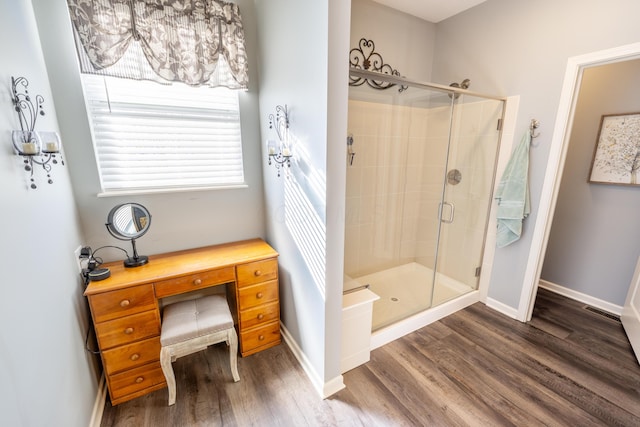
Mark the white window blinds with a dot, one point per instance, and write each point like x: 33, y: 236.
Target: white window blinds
x: 149, y: 136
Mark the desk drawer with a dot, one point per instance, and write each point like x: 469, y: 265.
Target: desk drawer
x: 135, y: 380
x: 114, y: 304
x: 129, y: 356
x: 193, y: 282
x: 257, y: 272
x: 128, y: 329
x: 259, y: 315
x: 251, y: 296
x: 256, y: 338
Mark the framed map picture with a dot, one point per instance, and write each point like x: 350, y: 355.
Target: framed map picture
x: 616, y: 159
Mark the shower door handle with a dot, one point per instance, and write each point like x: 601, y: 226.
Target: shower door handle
x: 452, y: 212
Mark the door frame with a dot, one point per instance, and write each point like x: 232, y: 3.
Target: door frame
x: 556, y: 160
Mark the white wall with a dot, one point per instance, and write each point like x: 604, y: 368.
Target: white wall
x: 405, y: 42
x: 595, y: 241
x: 179, y: 220
x: 337, y: 109
x: 293, y: 72
x: 519, y: 47
x: 297, y: 68
x: 46, y: 376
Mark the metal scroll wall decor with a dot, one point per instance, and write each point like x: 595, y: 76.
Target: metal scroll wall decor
x: 365, y: 57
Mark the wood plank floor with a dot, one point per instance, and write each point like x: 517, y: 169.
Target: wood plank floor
x: 567, y: 367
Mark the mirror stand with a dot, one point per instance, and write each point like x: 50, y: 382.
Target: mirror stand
x: 136, y: 260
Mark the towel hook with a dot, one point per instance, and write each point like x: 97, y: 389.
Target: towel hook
x: 532, y: 128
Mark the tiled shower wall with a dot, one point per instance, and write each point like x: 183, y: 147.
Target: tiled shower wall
x: 394, y: 185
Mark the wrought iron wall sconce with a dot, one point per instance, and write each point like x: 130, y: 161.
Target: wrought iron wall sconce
x: 279, y: 152
x: 365, y: 57
x: 39, y: 148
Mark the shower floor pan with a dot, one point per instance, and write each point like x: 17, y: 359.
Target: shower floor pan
x: 406, y: 290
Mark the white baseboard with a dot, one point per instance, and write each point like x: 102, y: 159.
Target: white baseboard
x: 98, y: 406
x: 324, y: 389
x: 578, y: 296
x: 333, y: 386
x: 502, y: 308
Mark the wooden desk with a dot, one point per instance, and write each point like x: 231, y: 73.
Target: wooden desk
x: 126, y: 315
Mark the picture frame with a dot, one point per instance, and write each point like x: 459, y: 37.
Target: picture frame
x: 616, y: 158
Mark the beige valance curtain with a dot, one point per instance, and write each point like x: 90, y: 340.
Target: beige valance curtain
x: 198, y: 42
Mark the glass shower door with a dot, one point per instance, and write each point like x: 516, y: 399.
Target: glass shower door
x: 414, y: 228
x: 466, y: 196
x: 397, y: 150
x: 429, y: 150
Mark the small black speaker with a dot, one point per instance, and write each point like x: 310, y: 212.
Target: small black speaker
x: 99, y: 274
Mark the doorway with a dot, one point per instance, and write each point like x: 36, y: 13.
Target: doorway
x: 557, y: 158
x: 593, y: 245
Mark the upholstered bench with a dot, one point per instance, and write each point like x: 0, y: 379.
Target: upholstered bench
x: 191, y: 326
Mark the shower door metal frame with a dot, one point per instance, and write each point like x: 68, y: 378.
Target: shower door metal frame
x: 422, y: 85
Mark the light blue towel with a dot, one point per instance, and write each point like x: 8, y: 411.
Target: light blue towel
x: 513, y: 194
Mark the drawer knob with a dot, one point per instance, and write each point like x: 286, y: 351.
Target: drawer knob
x: 128, y: 331
x: 197, y: 282
x: 139, y: 380
x: 135, y: 356
x: 257, y: 273
x: 261, y: 338
x: 125, y: 303
x: 259, y: 295
x: 260, y: 316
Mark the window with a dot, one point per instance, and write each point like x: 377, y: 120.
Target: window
x: 149, y: 136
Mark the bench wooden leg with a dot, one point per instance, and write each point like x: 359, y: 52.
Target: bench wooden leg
x: 233, y: 353
x: 167, y: 369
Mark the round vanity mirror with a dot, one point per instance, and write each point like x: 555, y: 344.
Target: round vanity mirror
x: 129, y: 221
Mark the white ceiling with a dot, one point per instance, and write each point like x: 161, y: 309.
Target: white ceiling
x: 431, y: 10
